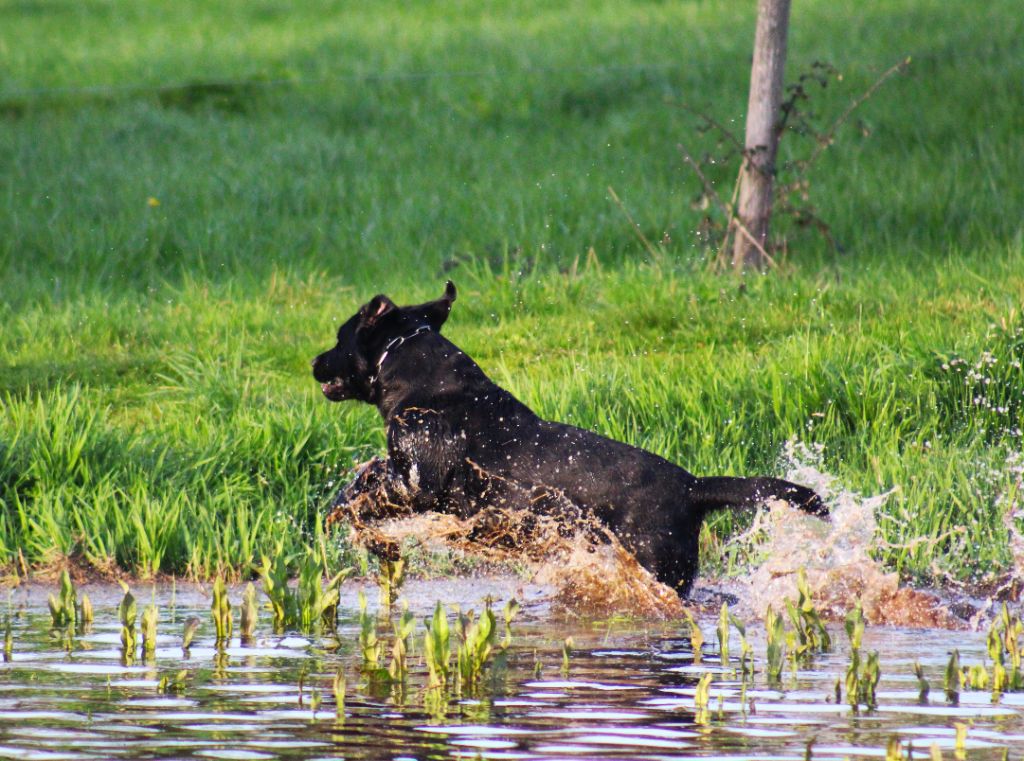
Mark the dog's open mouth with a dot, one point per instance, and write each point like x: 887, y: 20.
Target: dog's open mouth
x: 334, y: 389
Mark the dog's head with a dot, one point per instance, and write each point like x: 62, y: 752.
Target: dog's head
x: 347, y: 370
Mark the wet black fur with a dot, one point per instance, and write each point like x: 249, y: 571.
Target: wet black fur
x: 449, y: 424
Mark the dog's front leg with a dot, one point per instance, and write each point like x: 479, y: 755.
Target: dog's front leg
x: 426, y: 456
x: 370, y: 495
x: 369, y: 475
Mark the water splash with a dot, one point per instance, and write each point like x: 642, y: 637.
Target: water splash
x: 836, y: 555
x: 592, y: 574
x: 588, y: 573
x: 605, y: 580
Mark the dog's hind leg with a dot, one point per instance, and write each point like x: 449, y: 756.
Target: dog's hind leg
x: 679, y: 569
x: 725, y: 491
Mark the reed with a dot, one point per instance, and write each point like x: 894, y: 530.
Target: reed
x: 1004, y: 648
x: 85, y: 611
x: 317, y: 602
x: 508, y: 614
x: 190, y: 628
x: 283, y: 602
x: 403, y: 626
x: 339, y: 688
x: 369, y: 643
x: 249, y: 615
x: 8, y: 640
x: 702, y: 698
x: 475, y: 646
x: 722, y: 630
x: 64, y: 606
x: 951, y: 679
x: 862, y: 674
x: 776, y: 649
x: 175, y: 684
x: 696, y: 636
x: 923, y: 688
x: 436, y: 648
x: 220, y: 610
x: 150, y: 617
x: 960, y: 741
x: 126, y: 613
x: 812, y: 636
x: 390, y: 580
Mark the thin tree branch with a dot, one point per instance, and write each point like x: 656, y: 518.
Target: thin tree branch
x: 636, y: 228
x: 826, y: 138
x: 722, y: 129
x: 726, y: 209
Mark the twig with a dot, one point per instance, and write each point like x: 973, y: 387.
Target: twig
x: 709, y: 189
x: 721, y: 256
x: 825, y: 140
x: 722, y: 129
x: 636, y: 228
x: 804, y: 216
x: 733, y: 220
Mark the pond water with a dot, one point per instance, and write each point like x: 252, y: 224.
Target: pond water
x: 628, y: 691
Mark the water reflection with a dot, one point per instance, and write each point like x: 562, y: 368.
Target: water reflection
x: 629, y: 693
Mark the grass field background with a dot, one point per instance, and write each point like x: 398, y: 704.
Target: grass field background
x: 194, y: 194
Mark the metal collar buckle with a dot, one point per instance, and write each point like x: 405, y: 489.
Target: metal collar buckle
x: 394, y: 343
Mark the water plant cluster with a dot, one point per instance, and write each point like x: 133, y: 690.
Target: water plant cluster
x: 463, y: 654
x: 863, y: 674
x: 454, y: 665
x: 799, y: 644
x: 309, y: 605
x: 808, y: 637
x: 1000, y: 673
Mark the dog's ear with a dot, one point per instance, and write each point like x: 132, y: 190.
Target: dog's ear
x: 373, y: 311
x: 436, y: 312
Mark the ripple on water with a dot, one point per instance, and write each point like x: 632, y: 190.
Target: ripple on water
x: 31, y: 754
x: 632, y: 697
x: 600, y: 737
x: 961, y: 712
x: 477, y: 730
x: 79, y: 739
x: 159, y: 703
x: 591, y: 713
x: 99, y: 669
x: 571, y: 685
x: 30, y: 714
x: 244, y: 688
x: 484, y: 744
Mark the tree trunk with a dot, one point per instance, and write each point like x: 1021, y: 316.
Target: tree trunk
x: 758, y: 171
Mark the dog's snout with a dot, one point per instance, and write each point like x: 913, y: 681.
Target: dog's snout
x: 317, y: 364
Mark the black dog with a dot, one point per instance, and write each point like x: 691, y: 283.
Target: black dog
x: 459, y: 443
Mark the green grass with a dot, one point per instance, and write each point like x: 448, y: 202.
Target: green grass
x: 157, y: 410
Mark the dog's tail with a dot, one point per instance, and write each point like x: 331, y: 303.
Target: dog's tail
x: 724, y: 491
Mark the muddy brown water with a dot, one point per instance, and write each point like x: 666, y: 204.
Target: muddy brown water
x: 628, y: 692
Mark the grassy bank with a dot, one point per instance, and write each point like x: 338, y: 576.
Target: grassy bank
x: 175, y: 252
